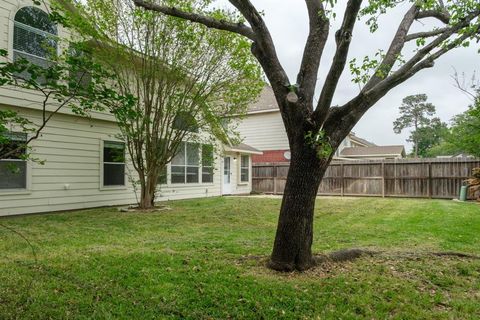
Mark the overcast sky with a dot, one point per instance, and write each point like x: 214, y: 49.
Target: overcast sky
x: 287, y: 20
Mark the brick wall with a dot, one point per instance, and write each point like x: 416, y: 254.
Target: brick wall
x: 270, y: 156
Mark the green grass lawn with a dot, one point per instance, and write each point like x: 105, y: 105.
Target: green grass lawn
x: 205, y: 258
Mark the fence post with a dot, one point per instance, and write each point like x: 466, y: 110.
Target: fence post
x: 383, y: 179
x: 430, y: 185
x: 342, y: 190
x: 274, y: 178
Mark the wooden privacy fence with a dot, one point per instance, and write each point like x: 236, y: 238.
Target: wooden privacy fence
x: 421, y: 178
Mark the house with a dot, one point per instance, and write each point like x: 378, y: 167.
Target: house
x: 263, y: 129
x: 79, y: 169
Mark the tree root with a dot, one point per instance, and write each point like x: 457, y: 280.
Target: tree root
x: 343, y: 255
x: 347, y: 255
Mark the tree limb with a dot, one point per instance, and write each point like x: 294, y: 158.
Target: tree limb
x: 209, y: 22
x: 343, y: 39
x: 426, y: 34
x: 317, y: 38
x: 396, y: 47
x: 440, y: 15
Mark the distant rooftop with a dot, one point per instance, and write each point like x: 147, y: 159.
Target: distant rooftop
x: 373, y: 151
x: 266, y: 101
x: 362, y: 141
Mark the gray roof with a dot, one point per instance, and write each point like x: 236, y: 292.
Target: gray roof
x: 373, y: 151
x: 266, y: 101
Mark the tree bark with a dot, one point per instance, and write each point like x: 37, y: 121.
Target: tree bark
x: 293, y: 241
x: 147, y: 194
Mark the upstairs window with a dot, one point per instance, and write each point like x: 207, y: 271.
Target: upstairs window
x: 34, y: 36
x: 185, y: 122
x: 113, y: 163
x: 13, y: 167
x: 245, y: 169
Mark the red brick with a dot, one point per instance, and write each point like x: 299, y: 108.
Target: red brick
x: 270, y: 156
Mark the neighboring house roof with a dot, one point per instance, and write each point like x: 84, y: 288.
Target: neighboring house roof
x: 243, y: 148
x: 362, y: 141
x: 373, y: 151
x: 265, y: 102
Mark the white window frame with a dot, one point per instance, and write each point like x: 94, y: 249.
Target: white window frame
x: 32, y: 29
x: 211, y: 167
x: 118, y: 187
x: 185, y: 165
x: 241, y: 182
x: 28, y: 178
x: 200, y: 167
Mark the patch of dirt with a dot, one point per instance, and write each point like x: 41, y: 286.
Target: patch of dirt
x: 344, y: 261
x: 138, y: 210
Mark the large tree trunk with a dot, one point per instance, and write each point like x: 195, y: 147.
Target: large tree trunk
x: 293, y: 241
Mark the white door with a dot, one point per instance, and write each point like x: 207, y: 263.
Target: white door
x: 227, y: 175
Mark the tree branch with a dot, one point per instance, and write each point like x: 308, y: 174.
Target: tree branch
x: 312, y: 54
x: 440, y: 15
x: 426, y: 34
x: 343, y: 39
x: 396, y: 47
x: 263, y: 47
x: 355, y: 108
x: 209, y: 22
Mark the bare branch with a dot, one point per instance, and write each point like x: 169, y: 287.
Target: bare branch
x: 317, y: 38
x: 440, y: 15
x: 209, y: 22
x: 396, y: 47
x: 343, y: 39
x: 426, y: 34
x: 263, y: 47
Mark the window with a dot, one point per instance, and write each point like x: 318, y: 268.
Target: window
x: 13, y: 169
x: 207, y: 163
x: 34, y: 36
x: 162, y: 176
x: 186, y: 163
x: 244, y: 169
x: 113, y: 163
x: 185, y: 122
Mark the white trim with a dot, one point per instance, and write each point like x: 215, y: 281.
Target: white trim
x: 229, y: 149
x: 125, y: 178
x: 11, y: 25
x: 263, y: 111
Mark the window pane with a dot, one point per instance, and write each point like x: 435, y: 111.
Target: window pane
x: 193, y: 157
x: 162, y: 176
x: 113, y: 174
x: 207, y: 174
x: 13, y: 141
x: 13, y: 174
x: 185, y: 122
x: 179, y: 158
x: 192, y: 174
x: 207, y: 155
x: 113, y: 152
x: 244, y: 175
x: 245, y: 161
x: 28, y: 41
x: 178, y: 174
x: 36, y: 18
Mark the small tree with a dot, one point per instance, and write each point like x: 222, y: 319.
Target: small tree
x: 187, y: 80
x: 416, y: 113
x: 71, y: 81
